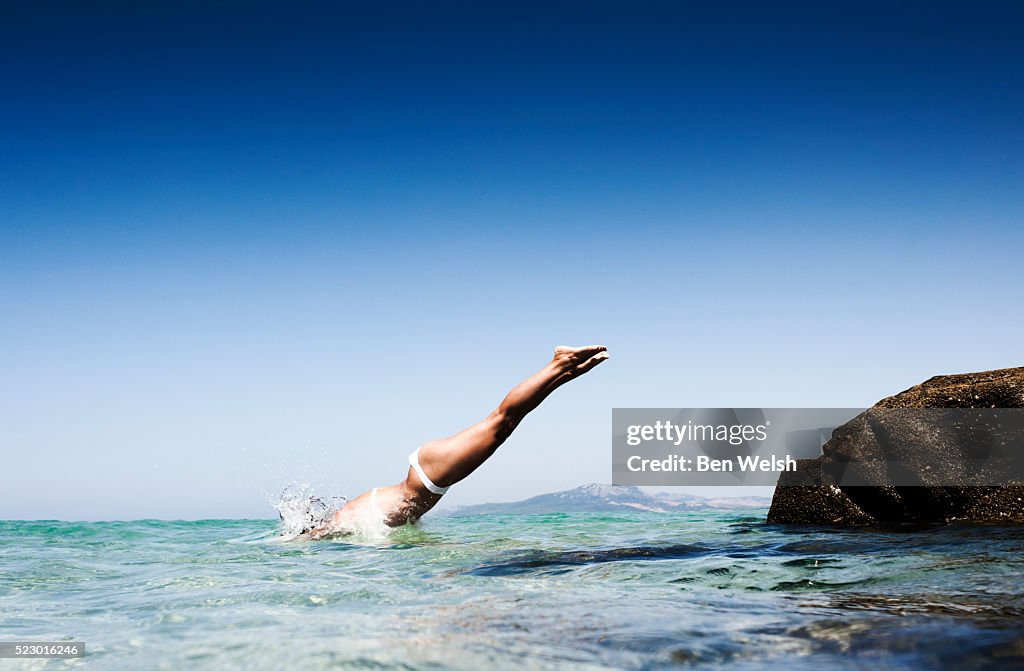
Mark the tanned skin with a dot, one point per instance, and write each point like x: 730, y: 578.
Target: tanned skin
x: 450, y: 460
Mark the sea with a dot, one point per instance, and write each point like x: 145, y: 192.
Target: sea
x: 631, y: 590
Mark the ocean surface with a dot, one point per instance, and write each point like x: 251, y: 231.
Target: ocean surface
x: 556, y: 591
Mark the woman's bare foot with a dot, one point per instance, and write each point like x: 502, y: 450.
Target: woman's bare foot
x: 579, y: 360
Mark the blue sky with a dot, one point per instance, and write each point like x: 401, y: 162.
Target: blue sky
x: 245, y: 244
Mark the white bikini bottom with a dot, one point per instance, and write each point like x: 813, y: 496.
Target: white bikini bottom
x: 414, y: 461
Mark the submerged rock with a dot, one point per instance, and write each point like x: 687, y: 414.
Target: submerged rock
x: 821, y: 491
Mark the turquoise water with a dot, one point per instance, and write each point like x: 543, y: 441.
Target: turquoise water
x: 561, y: 591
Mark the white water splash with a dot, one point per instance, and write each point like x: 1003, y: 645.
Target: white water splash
x: 301, y: 509
x: 365, y: 525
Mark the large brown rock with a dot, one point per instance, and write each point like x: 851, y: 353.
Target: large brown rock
x: 819, y: 491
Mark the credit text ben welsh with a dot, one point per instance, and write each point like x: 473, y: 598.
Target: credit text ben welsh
x: 705, y: 464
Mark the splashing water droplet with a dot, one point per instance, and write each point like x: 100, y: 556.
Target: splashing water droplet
x: 301, y: 509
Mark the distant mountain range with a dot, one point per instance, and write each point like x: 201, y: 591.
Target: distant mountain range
x: 607, y: 498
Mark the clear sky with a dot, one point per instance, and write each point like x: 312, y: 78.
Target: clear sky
x: 245, y: 244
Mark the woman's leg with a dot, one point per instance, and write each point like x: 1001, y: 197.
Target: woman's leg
x: 449, y: 460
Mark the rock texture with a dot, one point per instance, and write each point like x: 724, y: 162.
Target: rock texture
x: 819, y: 493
